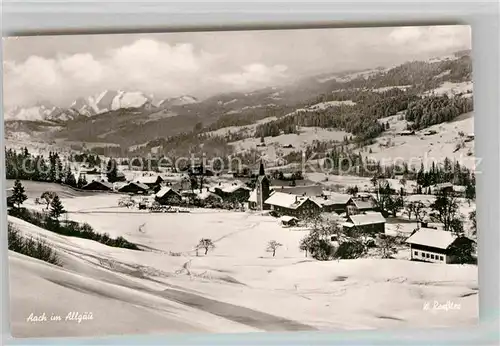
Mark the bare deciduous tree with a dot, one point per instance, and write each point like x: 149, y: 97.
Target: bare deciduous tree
x: 206, y: 244
x: 272, y: 246
x: 48, y: 196
x: 386, y: 245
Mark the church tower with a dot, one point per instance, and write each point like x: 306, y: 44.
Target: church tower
x: 262, y: 188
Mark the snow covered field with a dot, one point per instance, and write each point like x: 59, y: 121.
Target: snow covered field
x: 237, y: 287
x: 299, y: 141
x: 451, y: 89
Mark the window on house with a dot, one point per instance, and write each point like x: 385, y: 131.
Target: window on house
x: 427, y: 255
x: 416, y: 253
x: 432, y: 256
x: 441, y: 258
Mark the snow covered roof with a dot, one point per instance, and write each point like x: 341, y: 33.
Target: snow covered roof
x: 287, y: 200
x: 230, y: 188
x: 432, y: 237
x: 443, y: 185
x: 253, y: 196
x: 138, y: 184
x: 310, y: 191
x: 103, y: 183
x: 336, y: 198
x: 366, y: 219
x: 206, y: 194
x: 287, y: 218
x: 164, y: 190
x: 364, y: 202
x: 147, y: 179
x: 459, y: 188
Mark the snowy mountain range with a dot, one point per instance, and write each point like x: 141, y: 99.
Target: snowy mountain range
x: 41, y: 112
x: 108, y: 100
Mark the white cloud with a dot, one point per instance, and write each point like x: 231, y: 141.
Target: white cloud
x: 81, y: 68
x: 254, y: 75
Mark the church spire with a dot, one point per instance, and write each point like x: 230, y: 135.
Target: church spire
x: 261, y: 169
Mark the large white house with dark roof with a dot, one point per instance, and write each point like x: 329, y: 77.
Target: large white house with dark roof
x: 432, y: 245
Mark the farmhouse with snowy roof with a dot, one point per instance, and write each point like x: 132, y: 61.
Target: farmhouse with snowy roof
x: 168, y: 196
x: 234, y: 192
x: 443, y: 187
x: 433, y: 245
x: 98, y: 185
x: 361, y: 204
x: 334, y: 202
x: 207, y: 198
x: 293, y: 205
x: 135, y: 187
x: 151, y: 180
x: 371, y: 222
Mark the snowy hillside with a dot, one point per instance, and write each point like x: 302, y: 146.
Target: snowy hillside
x: 233, y: 289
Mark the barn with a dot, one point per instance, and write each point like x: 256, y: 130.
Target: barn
x: 207, y: 198
x: 369, y: 223
x: 437, y: 246
x: 334, y: 202
x: 442, y: 188
x: 235, y: 192
x: 168, y: 196
x: 151, y: 180
x: 98, y: 185
x: 134, y: 187
x: 293, y: 205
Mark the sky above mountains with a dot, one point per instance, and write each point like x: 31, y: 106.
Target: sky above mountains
x: 60, y: 69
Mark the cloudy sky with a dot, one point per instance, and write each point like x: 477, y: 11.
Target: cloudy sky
x: 61, y: 68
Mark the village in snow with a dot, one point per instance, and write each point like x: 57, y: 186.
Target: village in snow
x: 346, y: 205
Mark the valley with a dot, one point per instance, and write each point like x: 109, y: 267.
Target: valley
x: 341, y: 201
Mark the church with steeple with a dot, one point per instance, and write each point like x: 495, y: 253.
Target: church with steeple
x: 262, y: 191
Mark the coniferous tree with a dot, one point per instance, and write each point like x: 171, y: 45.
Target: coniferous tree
x: 69, y: 178
x: 56, y: 208
x: 112, y: 171
x: 18, y: 194
x: 470, y: 193
x: 81, y: 181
